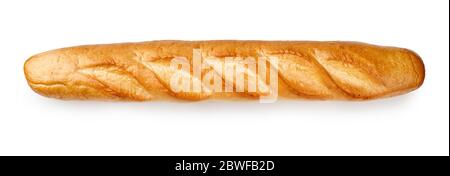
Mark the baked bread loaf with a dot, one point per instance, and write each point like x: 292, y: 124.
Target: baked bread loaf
x: 304, y: 70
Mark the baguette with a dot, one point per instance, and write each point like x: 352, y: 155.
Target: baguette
x: 304, y: 70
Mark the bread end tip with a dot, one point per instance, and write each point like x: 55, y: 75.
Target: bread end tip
x: 418, y: 66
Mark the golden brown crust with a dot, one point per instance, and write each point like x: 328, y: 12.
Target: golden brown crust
x: 306, y: 70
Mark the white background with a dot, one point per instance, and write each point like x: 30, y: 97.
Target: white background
x: 412, y: 124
